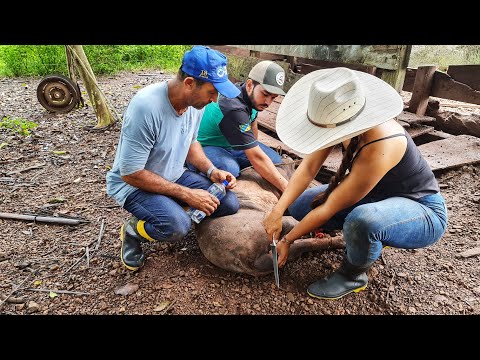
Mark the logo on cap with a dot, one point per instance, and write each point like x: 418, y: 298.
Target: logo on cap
x: 280, y: 78
x: 203, y: 74
x: 221, y: 71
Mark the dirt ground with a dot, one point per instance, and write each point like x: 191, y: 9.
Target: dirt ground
x: 60, y: 170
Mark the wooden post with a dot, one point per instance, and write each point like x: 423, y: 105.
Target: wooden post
x: 421, y: 89
x: 396, y: 77
x: 292, y: 60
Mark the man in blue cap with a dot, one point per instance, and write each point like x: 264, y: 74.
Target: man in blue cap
x: 159, y: 134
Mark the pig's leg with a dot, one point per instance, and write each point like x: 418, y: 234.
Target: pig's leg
x: 265, y: 263
x: 314, y: 244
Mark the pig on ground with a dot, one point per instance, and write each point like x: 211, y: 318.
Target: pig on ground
x: 239, y: 242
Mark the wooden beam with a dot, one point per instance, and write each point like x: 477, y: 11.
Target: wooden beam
x: 381, y: 56
x: 277, y: 144
x: 396, y: 76
x: 443, y: 86
x: 418, y: 130
x: 447, y: 88
x: 421, y: 89
x: 414, y: 119
x: 452, y: 152
x: 466, y: 74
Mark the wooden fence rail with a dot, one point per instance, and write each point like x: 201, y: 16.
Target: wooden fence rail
x: 460, y: 82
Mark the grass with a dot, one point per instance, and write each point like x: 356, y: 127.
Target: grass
x: 41, y: 60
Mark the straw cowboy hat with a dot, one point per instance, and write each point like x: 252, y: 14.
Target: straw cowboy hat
x: 328, y: 106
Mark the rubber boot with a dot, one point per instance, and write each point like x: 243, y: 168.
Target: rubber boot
x: 343, y: 281
x: 132, y: 234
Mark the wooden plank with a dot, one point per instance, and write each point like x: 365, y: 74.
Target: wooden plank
x: 417, y: 130
x: 276, y: 144
x: 334, y: 159
x: 411, y: 122
x: 443, y: 86
x: 381, y: 56
x: 331, y: 164
x: 467, y: 74
x: 444, y: 154
x: 409, y: 79
x: 421, y: 89
x: 278, y: 99
x: 432, y: 135
x: 273, y: 107
x: 440, y: 135
x: 452, y: 152
x: 396, y: 77
x: 230, y: 50
x: 267, y: 120
x: 414, y: 119
x: 305, y: 66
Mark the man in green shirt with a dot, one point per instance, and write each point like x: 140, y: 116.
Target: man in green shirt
x: 228, y: 131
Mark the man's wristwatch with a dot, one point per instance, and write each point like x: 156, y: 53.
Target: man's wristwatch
x: 210, y: 170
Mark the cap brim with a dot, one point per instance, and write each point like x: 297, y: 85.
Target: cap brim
x: 273, y: 89
x: 227, y: 89
x: 295, y: 130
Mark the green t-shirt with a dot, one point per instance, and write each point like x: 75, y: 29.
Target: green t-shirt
x: 227, y: 123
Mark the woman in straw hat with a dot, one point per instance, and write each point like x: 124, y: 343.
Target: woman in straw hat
x: 384, y: 192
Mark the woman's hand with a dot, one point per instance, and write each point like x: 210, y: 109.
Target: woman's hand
x: 273, y: 225
x: 282, y: 249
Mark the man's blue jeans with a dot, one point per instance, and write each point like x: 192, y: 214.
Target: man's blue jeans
x: 372, y: 223
x: 165, y: 218
x: 235, y: 160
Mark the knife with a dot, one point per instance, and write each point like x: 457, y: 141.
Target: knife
x: 273, y: 245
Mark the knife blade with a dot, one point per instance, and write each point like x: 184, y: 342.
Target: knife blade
x: 273, y: 246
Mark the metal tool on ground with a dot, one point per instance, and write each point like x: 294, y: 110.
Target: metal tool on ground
x: 273, y: 245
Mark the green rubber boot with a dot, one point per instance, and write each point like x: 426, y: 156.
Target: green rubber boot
x: 346, y: 279
x: 132, y: 234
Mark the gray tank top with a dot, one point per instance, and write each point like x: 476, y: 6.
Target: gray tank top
x: 411, y: 177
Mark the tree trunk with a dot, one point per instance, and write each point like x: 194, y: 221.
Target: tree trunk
x: 70, y: 64
x: 98, y: 100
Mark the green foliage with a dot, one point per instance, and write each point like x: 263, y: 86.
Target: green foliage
x: 471, y: 53
x: 31, y: 60
x: 41, y: 60
x: 111, y: 59
x: 18, y: 125
x: 444, y: 55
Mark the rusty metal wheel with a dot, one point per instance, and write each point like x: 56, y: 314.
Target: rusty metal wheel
x: 58, y: 93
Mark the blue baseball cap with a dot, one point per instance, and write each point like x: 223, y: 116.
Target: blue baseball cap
x: 207, y: 64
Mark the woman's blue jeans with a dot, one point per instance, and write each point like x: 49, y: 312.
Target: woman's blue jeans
x: 371, y: 224
x: 235, y: 160
x: 165, y: 217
